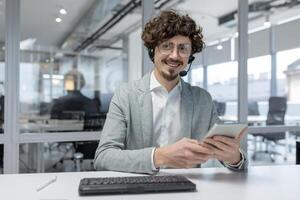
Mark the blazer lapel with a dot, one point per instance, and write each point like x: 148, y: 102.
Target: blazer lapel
x: 145, y: 102
x: 186, y: 110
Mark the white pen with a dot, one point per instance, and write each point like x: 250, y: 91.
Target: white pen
x: 46, y: 184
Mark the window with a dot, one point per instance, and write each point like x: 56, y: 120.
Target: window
x: 197, y: 76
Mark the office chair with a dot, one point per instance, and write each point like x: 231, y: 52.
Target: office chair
x: 92, y: 122
x: 221, y: 107
x: 45, y: 108
x: 276, y: 114
x: 86, y: 149
x: 1, y: 156
x: 253, y: 109
x: 1, y: 129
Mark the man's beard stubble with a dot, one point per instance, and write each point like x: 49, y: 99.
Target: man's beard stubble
x: 171, y: 75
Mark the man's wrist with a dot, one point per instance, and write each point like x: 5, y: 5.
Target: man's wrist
x: 237, y: 160
x: 158, y: 157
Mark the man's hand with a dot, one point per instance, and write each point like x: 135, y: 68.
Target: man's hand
x: 225, y: 149
x: 183, y: 154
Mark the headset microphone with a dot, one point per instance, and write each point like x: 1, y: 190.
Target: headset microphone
x: 184, y: 73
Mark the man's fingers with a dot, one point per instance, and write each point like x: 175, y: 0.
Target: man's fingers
x: 191, y: 140
x: 219, y: 145
x: 227, y: 140
x: 199, y: 149
x: 188, y: 162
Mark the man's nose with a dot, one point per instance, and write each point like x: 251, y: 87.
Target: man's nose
x: 174, y: 53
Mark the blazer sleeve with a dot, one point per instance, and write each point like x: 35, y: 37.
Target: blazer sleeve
x: 111, y: 153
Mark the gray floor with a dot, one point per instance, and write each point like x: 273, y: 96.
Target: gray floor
x: 265, y: 158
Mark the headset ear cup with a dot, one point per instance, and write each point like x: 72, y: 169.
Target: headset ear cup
x: 191, y: 59
x: 151, y: 54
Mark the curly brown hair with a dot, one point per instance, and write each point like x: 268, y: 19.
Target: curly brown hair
x: 169, y: 24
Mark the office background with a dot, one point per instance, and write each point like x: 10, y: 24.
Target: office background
x: 41, y: 41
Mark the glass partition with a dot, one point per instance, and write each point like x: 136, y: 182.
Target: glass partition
x: 273, y: 101
x: 288, y: 78
x: 72, y: 60
x: 2, y: 62
x: 2, y: 77
x: 67, y: 75
x: 222, y: 84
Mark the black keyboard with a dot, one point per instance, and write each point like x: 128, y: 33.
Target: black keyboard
x: 134, y: 184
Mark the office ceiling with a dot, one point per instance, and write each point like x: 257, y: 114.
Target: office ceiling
x: 38, y: 19
x: 85, y: 17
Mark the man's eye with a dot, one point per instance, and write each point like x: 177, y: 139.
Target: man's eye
x: 182, y: 48
x: 167, y: 46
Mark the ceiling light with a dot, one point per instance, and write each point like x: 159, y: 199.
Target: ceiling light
x: 236, y: 34
x: 232, y: 49
x: 27, y: 43
x: 267, y: 23
x: 46, y: 76
x: 289, y: 19
x: 56, y: 81
x: 63, y: 11
x: 256, y: 29
x: 58, y: 19
x: 219, y: 47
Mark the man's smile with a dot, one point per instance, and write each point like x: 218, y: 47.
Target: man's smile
x: 173, y: 64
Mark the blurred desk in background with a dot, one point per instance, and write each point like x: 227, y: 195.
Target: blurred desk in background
x: 260, y: 120
x: 51, y: 125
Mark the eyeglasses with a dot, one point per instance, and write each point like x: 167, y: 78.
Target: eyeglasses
x: 184, y: 49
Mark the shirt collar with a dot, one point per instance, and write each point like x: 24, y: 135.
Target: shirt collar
x: 155, y: 84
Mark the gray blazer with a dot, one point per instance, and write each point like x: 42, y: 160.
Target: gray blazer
x: 127, y: 141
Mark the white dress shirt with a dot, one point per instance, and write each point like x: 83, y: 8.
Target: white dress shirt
x: 166, y: 113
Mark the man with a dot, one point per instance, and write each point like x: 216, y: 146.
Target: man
x: 160, y: 121
x: 66, y: 106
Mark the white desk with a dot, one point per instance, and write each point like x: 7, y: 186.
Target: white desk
x: 52, y: 125
x: 267, y: 182
x: 261, y: 119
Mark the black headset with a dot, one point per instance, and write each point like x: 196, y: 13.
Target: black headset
x: 151, y: 54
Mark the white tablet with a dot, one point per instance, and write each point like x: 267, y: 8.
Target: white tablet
x: 229, y: 130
